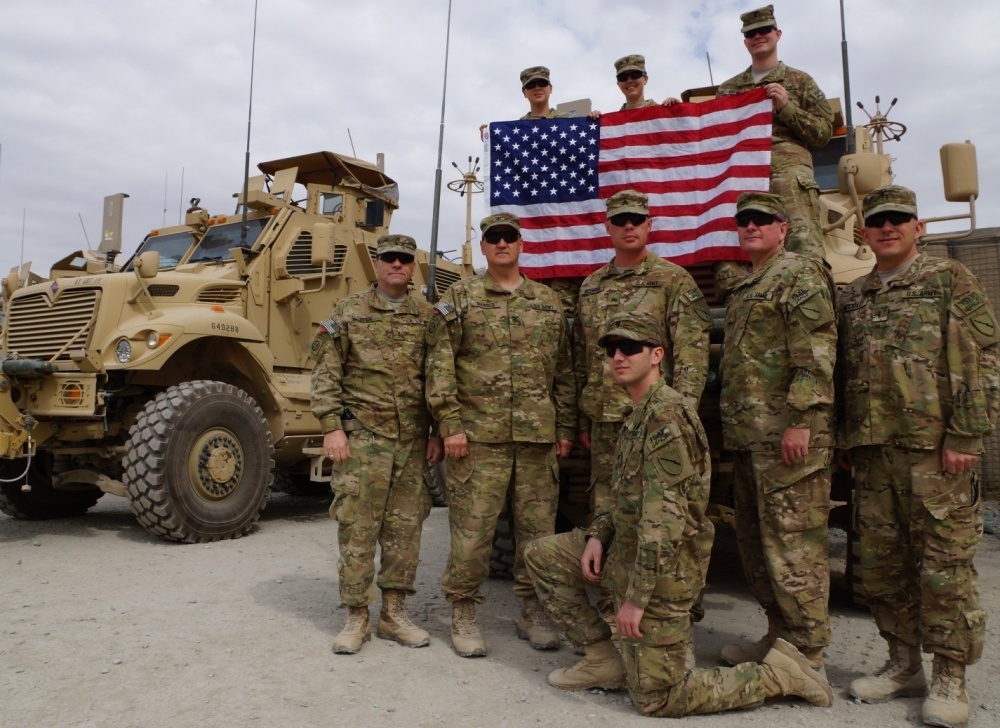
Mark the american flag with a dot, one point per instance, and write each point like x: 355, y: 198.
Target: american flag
x: 693, y: 160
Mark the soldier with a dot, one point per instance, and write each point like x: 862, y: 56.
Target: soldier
x: 802, y: 119
x: 777, y: 415
x: 920, y: 389
x: 499, y: 382
x: 367, y: 392
x: 536, y: 88
x: 630, y: 72
x: 657, y: 538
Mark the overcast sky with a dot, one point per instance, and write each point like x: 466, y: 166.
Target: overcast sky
x: 121, y: 96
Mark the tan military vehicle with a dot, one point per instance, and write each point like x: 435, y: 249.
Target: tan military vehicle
x: 181, y: 381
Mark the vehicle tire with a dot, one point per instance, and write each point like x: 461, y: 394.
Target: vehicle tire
x: 504, y: 547
x: 198, y: 464
x: 436, y: 480
x: 42, y: 501
x: 298, y: 484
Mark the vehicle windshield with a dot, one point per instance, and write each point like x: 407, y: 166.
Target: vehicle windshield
x: 826, y: 162
x: 220, y: 238
x: 171, y: 248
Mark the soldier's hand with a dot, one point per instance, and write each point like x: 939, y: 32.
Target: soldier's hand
x: 794, y: 444
x: 955, y: 462
x: 778, y: 94
x: 595, y: 114
x: 628, y: 619
x: 336, y: 446
x: 583, y: 438
x: 590, y: 561
x: 563, y: 448
x: 456, y: 446
x: 670, y: 101
x: 434, y: 452
x: 844, y: 458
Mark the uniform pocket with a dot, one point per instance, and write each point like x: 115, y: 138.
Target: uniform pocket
x: 656, y: 663
x: 796, y: 496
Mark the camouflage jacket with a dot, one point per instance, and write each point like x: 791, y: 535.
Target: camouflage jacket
x: 644, y: 104
x: 656, y: 534
x: 806, y: 121
x: 553, y: 114
x: 498, y: 363
x: 778, y: 354
x: 370, y: 360
x: 660, y: 289
x: 918, y: 359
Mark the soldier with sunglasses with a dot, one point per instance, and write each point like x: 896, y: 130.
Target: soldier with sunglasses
x: 368, y: 394
x: 630, y: 72
x: 777, y: 417
x: 500, y: 385
x: 537, y: 88
x: 802, y: 119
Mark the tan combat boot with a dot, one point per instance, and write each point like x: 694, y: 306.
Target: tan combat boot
x: 534, y: 625
x: 755, y: 652
x: 602, y: 667
x: 902, y: 676
x: 787, y: 672
x: 357, y: 630
x: 948, y: 702
x: 465, y: 635
x: 394, y: 624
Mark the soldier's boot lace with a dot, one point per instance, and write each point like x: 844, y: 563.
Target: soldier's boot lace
x: 357, y: 630
x: 755, y: 652
x: 902, y: 676
x: 394, y: 623
x: 534, y: 625
x: 948, y: 702
x: 602, y: 667
x: 787, y: 673
x: 465, y: 635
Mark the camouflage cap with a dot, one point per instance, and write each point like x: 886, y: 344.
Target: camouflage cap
x: 761, y: 202
x: 530, y: 74
x: 396, y: 244
x: 630, y: 63
x: 891, y: 198
x: 759, y: 18
x: 634, y: 326
x: 501, y: 219
x: 628, y: 201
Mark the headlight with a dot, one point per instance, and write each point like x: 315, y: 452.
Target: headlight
x: 152, y: 339
x: 123, y: 351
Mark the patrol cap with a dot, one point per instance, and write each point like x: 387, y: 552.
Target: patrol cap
x: 891, y: 198
x: 396, y: 244
x: 501, y: 219
x: 759, y: 18
x: 530, y: 74
x: 761, y: 202
x: 628, y: 201
x: 630, y: 63
x: 634, y: 326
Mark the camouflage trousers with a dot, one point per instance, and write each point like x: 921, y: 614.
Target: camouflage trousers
x: 658, y: 680
x: 920, y: 528
x: 379, y: 498
x: 781, y: 529
x: 798, y: 189
x: 477, y: 487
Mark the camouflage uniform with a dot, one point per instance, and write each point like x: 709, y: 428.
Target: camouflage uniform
x: 918, y: 371
x: 777, y: 372
x: 529, y: 74
x: 633, y: 62
x: 656, y: 537
x: 499, y: 370
x: 370, y: 362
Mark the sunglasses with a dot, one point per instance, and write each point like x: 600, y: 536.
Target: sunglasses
x: 629, y: 76
x: 760, y: 219
x: 894, y: 218
x: 624, y: 218
x: 758, y: 31
x: 536, y: 83
x: 390, y: 258
x: 495, y: 236
x: 626, y: 346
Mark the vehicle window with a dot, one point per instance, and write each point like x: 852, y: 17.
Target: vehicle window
x: 171, y: 248
x: 220, y: 238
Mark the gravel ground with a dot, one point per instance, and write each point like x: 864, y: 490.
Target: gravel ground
x: 103, y: 625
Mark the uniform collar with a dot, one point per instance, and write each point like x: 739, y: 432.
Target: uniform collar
x: 907, y: 278
x: 776, y: 74
x: 643, y: 266
x: 407, y: 306
x: 524, y: 289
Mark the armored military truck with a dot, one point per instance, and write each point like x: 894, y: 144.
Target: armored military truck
x: 181, y: 379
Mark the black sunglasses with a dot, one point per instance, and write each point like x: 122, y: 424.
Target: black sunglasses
x: 623, y: 218
x: 626, y: 346
x: 629, y: 76
x: 758, y: 31
x: 760, y: 219
x: 895, y: 218
x: 390, y: 258
x: 536, y: 83
x: 495, y: 236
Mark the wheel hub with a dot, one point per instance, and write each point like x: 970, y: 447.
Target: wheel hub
x: 216, y: 464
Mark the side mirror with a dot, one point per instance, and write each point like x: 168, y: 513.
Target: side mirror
x: 322, y: 244
x: 867, y: 169
x: 147, y: 265
x: 959, y: 171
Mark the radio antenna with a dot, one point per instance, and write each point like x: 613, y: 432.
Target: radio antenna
x: 351, y: 139
x: 246, y: 166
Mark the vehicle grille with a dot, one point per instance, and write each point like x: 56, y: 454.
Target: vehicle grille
x: 443, y: 279
x: 163, y: 290
x: 39, y: 328
x: 220, y: 295
x: 299, y: 261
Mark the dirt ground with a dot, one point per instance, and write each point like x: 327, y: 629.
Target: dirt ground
x: 103, y: 625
